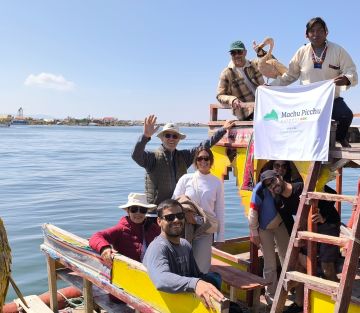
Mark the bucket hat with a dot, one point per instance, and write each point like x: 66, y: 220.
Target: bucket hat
x: 237, y: 45
x: 138, y: 199
x: 171, y: 128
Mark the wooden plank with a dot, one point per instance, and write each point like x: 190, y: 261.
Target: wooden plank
x: 307, y: 235
x: 35, y: 305
x: 237, y: 123
x: 237, y: 278
x: 243, y: 105
x: 101, y: 297
x: 105, y: 285
x: 331, y: 197
x: 316, y: 283
x: 88, y: 296
x: 51, y: 272
x: 350, y: 263
x: 345, y: 153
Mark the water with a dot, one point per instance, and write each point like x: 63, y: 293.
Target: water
x: 74, y: 178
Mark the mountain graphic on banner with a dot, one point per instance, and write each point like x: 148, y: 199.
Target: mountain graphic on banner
x: 271, y: 116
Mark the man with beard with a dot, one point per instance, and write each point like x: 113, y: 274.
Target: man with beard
x: 169, y: 258
x: 267, y: 227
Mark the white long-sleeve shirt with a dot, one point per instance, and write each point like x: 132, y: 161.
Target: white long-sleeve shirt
x: 337, y: 62
x: 209, y: 195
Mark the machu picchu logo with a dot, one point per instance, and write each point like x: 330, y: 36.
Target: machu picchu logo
x: 271, y: 116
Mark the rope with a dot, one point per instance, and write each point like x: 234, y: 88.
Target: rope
x: 74, y: 302
x: 347, y: 234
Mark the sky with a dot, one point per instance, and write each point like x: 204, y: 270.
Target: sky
x: 129, y: 59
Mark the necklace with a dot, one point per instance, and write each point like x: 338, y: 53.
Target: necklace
x: 318, y: 60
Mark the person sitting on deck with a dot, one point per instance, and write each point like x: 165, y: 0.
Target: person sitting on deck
x: 238, y: 82
x: 170, y: 261
x: 323, y: 60
x: 131, y: 236
x: 166, y: 165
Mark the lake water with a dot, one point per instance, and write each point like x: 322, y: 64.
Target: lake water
x: 74, y: 178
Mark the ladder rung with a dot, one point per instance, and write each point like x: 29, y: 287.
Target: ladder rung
x: 331, y: 197
x: 308, y: 235
x: 315, y: 283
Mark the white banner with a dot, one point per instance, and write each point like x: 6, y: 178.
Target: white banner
x: 293, y: 122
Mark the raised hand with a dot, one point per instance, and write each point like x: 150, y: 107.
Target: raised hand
x: 150, y: 127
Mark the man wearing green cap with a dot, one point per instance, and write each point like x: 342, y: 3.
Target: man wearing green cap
x: 238, y: 83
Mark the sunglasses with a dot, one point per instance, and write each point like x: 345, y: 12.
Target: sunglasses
x: 171, y: 217
x: 137, y: 209
x: 199, y: 159
x: 271, y: 183
x: 235, y: 52
x: 173, y: 136
x: 278, y: 165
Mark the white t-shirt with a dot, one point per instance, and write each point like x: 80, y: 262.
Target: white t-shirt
x: 209, y: 195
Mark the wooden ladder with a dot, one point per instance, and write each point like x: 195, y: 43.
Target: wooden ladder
x: 339, y: 291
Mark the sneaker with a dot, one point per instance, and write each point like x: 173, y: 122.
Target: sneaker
x: 293, y: 308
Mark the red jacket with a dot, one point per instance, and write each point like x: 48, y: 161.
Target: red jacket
x: 126, y: 237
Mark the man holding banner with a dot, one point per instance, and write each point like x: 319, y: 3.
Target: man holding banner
x: 322, y: 60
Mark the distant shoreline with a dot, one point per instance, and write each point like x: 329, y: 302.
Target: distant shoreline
x: 105, y: 122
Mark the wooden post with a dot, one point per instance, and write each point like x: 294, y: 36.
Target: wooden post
x: 214, y: 112
x: 51, y: 271
x: 254, y: 268
x: 311, y: 245
x: 88, y: 296
x: 339, y: 188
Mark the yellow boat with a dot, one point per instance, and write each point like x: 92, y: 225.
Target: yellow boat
x: 127, y: 280
x: 230, y: 154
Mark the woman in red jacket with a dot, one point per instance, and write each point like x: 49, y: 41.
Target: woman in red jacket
x: 131, y: 236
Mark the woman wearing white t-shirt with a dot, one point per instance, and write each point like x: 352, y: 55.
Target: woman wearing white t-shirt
x: 207, y: 191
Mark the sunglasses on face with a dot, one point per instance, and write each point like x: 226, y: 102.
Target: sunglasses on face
x: 235, y: 52
x: 199, y: 159
x: 278, y: 165
x: 171, y: 217
x: 137, y: 209
x: 173, y: 136
x: 271, y: 182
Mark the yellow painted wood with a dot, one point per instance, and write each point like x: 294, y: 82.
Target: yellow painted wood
x: 321, y: 303
x: 325, y: 176
x: 133, y: 278
x: 221, y: 162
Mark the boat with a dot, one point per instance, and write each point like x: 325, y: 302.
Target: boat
x: 239, y: 252
x: 69, y: 255
x: 70, y: 258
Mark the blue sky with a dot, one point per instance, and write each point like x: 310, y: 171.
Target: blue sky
x: 128, y: 59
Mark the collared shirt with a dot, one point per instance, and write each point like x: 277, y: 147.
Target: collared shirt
x: 337, y: 62
x: 232, y: 85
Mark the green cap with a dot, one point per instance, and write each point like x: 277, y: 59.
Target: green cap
x: 237, y: 45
